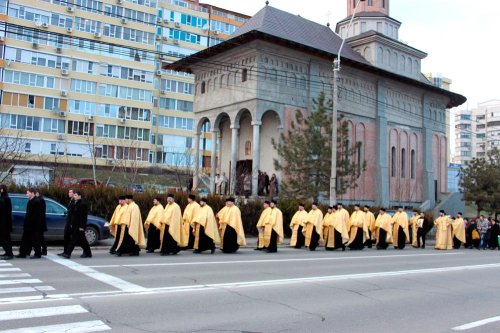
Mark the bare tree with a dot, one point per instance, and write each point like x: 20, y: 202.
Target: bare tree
x: 92, y: 149
x: 12, y: 150
x: 182, y: 162
x: 129, y: 160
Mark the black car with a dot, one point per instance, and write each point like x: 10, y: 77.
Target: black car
x: 97, y: 228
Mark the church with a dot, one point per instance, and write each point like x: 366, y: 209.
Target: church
x: 249, y: 87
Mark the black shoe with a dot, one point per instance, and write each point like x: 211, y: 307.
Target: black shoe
x: 60, y: 254
x: 196, y: 251
x: 258, y: 249
x: 86, y: 256
x: 163, y: 254
x: 112, y: 252
x: 22, y: 256
x: 343, y: 248
x: 7, y: 257
x: 271, y: 251
x: 423, y: 246
x: 36, y: 256
x: 44, y: 252
x: 118, y: 254
x: 212, y: 250
x: 65, y: 255
x: 150, y: 251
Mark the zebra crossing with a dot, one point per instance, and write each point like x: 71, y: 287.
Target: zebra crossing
x: 17, y: 287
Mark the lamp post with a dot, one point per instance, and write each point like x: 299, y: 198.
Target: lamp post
x: 336, y: 69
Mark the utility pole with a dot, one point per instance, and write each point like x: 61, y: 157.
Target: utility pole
x: 335, y: 99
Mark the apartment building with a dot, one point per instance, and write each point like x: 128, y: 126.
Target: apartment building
x: 82, y: 79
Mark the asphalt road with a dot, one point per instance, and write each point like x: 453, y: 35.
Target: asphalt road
x: 413, y: 290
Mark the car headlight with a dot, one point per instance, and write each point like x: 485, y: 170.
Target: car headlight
x: 106, y: 225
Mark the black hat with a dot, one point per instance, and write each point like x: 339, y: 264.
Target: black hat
x: 442, y: 211
x: 170, y: 195
x: 459, y: 213
x: 301, y: 204
x: 231, y: 199
x: 158, y: 198
x: 267, y: 202
x: 129, y: 196
x: 340, y: 204
x: 122, y: 197
x: 366, y: 206
x: 204, y: 200
x: 274, y: 202
x: 192, y: 196
x: 382, y: 209
x: 357, y: 205
x: 330, y: 207
x: 314, y: 203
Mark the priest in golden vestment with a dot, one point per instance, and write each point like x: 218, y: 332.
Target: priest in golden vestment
x: 190, y: 211
x: 383, y: 230
x: 327, y: 220
x: 458, y: 231
x: 400, y: 233
x: 343, y: 214
x: 358, y: 229
x: 264, y: 216
x: 231, y: 227
x: 336, y: 231
x: 153, y: 225
x: 313, y: 229
x: 297, y: 224
x: 444, y: 239
x: 171, y: 228
x: 412, y: 225
x: 132, y: 238
x: 114, y: 223
x: 206, y: 231
x: 273, y: 229
x: 370, y: 221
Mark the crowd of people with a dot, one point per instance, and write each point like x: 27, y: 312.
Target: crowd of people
x: 169, y: 230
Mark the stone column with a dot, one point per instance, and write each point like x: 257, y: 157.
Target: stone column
x: 382, y: 198
x: 256, y: 157
x: 219, y: 148
x: 213, y: 159
x: 279, y: 173
x: 234, y: 157
x: 196, y: 160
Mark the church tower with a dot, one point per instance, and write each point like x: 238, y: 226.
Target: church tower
x: 375, y: 35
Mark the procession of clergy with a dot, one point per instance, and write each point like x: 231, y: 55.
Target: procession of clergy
x: 198, y: 228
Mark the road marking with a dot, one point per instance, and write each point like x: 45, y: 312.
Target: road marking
x: 14, y: 269
x: 78, y: 327
x: 14, y: 275
x: 476, y: 324
x: 103, y: 277
x: 229, y: 262
x: 25, y: 289
x: 19, y: 281
x: 41, y: 312
x: 5, y: 264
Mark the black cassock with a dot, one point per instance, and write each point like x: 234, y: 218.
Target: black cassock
x: 357, y: 243
x: 153, y: 238
x: 230, y: 240
x: 169, y: 245
x: 204, y: 242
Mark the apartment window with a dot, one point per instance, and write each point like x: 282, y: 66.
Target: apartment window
x: 83, y: 86
x: 80, y: 128
x: 27, y: 147
x: 51, y: 103
x: 370, y: 2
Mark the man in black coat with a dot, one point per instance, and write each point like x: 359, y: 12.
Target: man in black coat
x: 67, y: 227
x: 5, y: 223
x: 78, y: 225
x: 43, y: 206
x: 32, y: 227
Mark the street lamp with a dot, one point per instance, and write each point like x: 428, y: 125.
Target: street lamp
x: 336, y: 69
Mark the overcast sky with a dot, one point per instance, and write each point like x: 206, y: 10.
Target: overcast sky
x: 459, y: 36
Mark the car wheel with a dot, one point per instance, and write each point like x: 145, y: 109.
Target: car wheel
x: 92, y: 235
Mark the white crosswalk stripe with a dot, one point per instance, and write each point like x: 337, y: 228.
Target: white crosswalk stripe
x: 6, y: 264
x: 25, y: 290
x: 19, y: 281
x: 12, y: 269
x: 78, y: 327
x: 12, y: 275
x: 41, y: 312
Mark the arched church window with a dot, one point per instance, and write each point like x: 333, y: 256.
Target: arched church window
x: 393, y: 162
x: 203, y: 87
x: 244, y: 74
x: 413, y: 164
x: 248, y: 148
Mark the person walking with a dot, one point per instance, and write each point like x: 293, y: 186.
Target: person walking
x: 205, y: 229
x: 32, y: 227
x: 482, y: 227
x: 5, y: 223
x: 171, y: 228
x: 422, y: 226
x: 153, y: 225
x: 67, y: 226
x: 297, y: 224
x: 132, y: 238
x: 493, y: 240
x: 458, y: 231
x: 78, y: 225
x: 231, y: 227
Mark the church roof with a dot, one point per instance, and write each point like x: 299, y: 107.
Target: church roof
x: 367, y: 14
x: 294, y: 31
